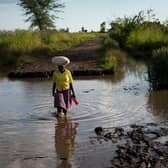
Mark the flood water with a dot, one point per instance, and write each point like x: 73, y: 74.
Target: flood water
x: 31, y: 136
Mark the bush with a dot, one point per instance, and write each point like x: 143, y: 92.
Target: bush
x: 109, y: 61
x: 110, y: 43
x: 112, y: 59
x: 158, y: 69
x: 145, y: 39
x: 5, y: 55
x: 121, y: 27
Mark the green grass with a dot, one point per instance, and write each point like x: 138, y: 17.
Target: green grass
x: 145, y: 39
x: 23, y: 46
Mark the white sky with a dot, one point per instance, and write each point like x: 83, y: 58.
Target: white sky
x: 87, y: 13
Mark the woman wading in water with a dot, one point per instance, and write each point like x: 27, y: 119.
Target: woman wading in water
x: 62, y: 86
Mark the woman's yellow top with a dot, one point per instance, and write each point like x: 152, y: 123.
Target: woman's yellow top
x: 62, y: 80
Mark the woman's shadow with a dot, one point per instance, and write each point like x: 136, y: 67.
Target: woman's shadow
x: 65, y: 132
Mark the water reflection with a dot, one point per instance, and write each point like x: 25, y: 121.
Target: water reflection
x: 158, y: 103
x: 65, y: 132
x: 138, y: 68
x: 118, y: 76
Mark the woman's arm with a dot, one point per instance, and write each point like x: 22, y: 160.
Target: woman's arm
x: 72, y: 89
x: 53, y: 88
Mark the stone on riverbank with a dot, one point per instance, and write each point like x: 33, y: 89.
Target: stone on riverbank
x: 139, y: 146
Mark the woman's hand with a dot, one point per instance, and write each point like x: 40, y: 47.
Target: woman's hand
x: 73, y: 95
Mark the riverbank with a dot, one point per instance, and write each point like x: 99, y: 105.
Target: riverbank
x: 84, y: 61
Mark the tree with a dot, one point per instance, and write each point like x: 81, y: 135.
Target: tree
x: 103, y: 27
x: 41, y: 13
x: 83, y: 29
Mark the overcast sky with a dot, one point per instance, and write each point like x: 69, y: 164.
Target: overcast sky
x: 87, y: 13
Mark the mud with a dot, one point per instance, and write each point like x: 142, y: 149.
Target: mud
x: 138, y: 146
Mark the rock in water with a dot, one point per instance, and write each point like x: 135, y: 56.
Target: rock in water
x: 99, y: 130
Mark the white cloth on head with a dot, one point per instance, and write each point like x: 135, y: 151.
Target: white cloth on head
x: 60, y: 60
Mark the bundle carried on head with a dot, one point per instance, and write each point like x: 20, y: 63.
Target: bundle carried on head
x: 60, y: 60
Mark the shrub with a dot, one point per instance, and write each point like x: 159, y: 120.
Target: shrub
x: 110, y: 43
x: 5, y: 55
x: 158, y: 69
x: 145, y: 39
x: 112, y: 59
x: 121, y: 27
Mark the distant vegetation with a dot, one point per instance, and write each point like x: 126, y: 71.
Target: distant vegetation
x: 142, y: 36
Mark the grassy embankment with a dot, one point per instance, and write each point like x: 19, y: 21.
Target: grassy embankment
x: 141, y: 38
x: 26, y: 47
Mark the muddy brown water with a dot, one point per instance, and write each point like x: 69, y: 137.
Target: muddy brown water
x: 31, y: 136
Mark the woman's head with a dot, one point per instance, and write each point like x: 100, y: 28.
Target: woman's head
x: 61, y: 68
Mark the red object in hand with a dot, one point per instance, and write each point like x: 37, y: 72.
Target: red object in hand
x: 75, y: 100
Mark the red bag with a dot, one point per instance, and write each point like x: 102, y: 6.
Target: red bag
x: 75, y: 100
